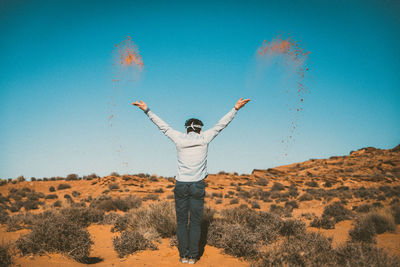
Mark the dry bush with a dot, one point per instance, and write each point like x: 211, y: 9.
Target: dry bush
x: 362, y: 254
x: 107, y: 203
x: 305, y: 197
x: 311, y: 249
x: 52, y: 189
x: 110, y: 218
x: 323, y: 222
x: 115, y: 174
x: 292, y: 227
x: 234, y: 201
x: 251, y: 227
x: 292, y: 203
x: 113, y: 186
x: 222, y: 234
x: 293, y: 191
x: 337, y: 211
x: 215, y: 194
x: 57, y: 204
x: 54, y: 233
x: 311, y: 183
x: 82, y: 216
x: 76, y: 193
x: 262, y: 181
x: 255, y: 205
x: 395, y: 209
x: 30, y: 204
x: 51, y: 196
x: 130, y: 242
x: 362, y: 208
x: 156, y: 220
x: 15, y: 206
x: 63, y: 186
x: 72, y: 176
x: 159, y: 190
x: 5, y: 254
x: 151, y: 197
x: 280, y: 210
x: 3, y: 215
x: 277, y: 187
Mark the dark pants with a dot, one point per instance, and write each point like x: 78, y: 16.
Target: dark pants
x: 189, y: 198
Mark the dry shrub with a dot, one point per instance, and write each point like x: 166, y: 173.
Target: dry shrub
x: 113, y: 186
x: 20, y: 221
x: 110, y: 218
x: 362, y: 254
x: 323, y: 222
x: 395, y: 208
x: 107, y: 203
x: 51, y: 196
x: 306, y: 197
x: 277, y: 187
x: 382, y: 220
x: 292, y: 227
x: 5, y: 254
x: 241, y: 231
x: 156, y: 220
x: 367, y: 226
x: 63, y: 186
x: 310, y: 249
x: 362, y: 208
x: 234, y: 201
x: 262, y: 181
x: 337, y: 211
x: 54, y: 233
x: 151, y: 197
x: 236, y: 239
x: 82, y: 216
x: 130, y: 242
x: 3, y: 215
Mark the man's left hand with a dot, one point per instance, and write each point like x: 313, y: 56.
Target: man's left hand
x: 240, y: 103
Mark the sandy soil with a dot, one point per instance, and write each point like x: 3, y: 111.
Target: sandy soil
x: 368, y: 167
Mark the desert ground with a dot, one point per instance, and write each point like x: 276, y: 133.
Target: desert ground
x: 345, y: 209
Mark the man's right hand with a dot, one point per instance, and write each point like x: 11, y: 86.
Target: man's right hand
x: 141, y: 105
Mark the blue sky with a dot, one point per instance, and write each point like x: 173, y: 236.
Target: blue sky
x: 199, y: 56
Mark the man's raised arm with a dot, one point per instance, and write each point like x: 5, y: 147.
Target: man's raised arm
x: 210, y: 134
x: 162, y: 125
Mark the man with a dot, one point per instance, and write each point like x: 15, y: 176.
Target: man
x: 189, y: 190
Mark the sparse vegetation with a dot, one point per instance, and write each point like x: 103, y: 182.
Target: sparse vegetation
x: 51, y: 196
x: 5, y: 254
x: 130, y: 242
x: 262, y: 181
x: 311, y: 184
x: 63, y: 186
x: 113, y: 186
x: 72, y: 176
x: 367, y: 226
x: 115, y: 174
x: 52, y: 233
x: 277, y: 187
x: 107, y: 203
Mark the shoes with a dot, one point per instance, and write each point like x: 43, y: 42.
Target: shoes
x: 184, y: 260
x: 192, y: 261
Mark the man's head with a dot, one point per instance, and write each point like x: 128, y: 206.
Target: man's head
x: 193, y: 125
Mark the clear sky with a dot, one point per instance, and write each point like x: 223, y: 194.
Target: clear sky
x: 56, y: 82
